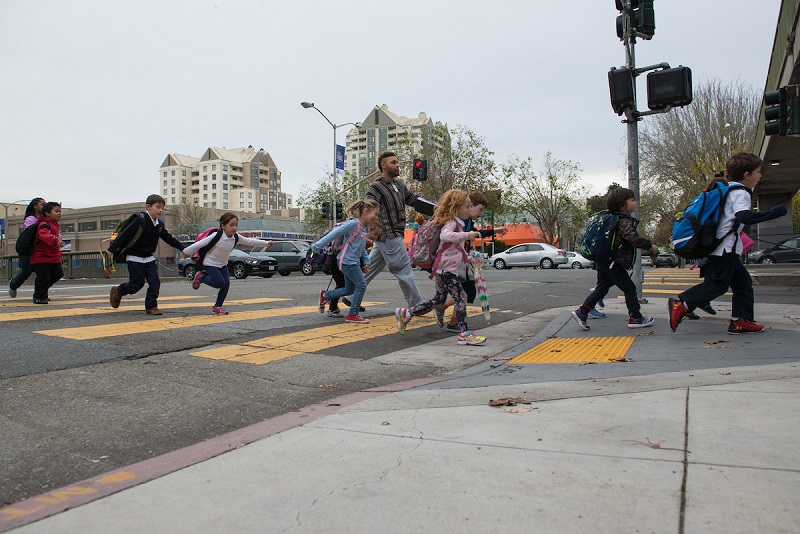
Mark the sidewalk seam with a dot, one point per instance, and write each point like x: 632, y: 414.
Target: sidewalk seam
x: 682, y: 516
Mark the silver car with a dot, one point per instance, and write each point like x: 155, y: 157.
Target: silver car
x: 529, y: 255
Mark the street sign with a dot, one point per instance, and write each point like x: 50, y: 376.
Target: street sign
x: 339, y: 160
x: 487, y: 213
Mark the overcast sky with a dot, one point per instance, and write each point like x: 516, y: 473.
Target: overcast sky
x: 96, y: 93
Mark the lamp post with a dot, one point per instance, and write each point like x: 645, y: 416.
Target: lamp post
x: 6, y: 205
x: 307, y: 105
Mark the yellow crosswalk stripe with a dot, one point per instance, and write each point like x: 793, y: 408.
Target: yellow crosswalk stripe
x: 49, y: 313
x: 278, y: 347
x: 84, y: 300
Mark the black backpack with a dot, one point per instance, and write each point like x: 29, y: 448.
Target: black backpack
x: 200, y: 255
x: 27, y: 239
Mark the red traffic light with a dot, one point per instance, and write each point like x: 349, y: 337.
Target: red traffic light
x: 417, y: 163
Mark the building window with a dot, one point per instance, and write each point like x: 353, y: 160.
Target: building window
x: 205, y: 197
x: 205, y: 168
x: 241, y: 204
x: 165, y: 191
x: 224, y: 205
x: 225, y: 186
x: 108, y: 225
x: 213, y: 195
x: 213, y: 176
x: 213, y: 186
x: 205, y: 187
x: 224, y: 196
x: 225, y: 177
x: 69, y: 228
x: 183, y: 173
x: 224, y: 167
x: 173, y: 190
x: 241, y: 195
x: 165, y: 174
x: 249, y: 194
x: 196, y: 200
x: 249, y: 204
x: 173, y: 200
x: 214, y: 167
x: 205, y: 177
x: 165, y: 182
x: 87, y: 226
x: 173, y: 181
x: 172, y: 172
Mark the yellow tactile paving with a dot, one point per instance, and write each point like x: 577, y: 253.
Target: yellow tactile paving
x: 46, y: 313
x: 576, y: 350
x: 278, y: 347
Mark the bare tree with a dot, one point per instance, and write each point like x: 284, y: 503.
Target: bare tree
x: 189, y: 218
x: 548, y: 195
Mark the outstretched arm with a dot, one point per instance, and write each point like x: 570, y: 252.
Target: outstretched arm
x: 755, y: 217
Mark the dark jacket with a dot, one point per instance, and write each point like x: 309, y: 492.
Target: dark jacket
x: 629, y: 240
x: 147, y: 243
x: 47, y: 237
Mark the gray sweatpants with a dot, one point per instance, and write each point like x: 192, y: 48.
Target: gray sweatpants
x: 392, y: 253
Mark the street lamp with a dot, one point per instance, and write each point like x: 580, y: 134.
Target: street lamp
x: 307, y: 105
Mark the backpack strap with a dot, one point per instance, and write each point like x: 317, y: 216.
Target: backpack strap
x: 357, y: 232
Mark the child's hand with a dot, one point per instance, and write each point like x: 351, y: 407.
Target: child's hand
x: 184, y: 255
x: 654, y: 250
x: 270, y: 243
x: 474, y: 235
x: 365, y: 269
x: 500, y: 230
x: 470, y: 260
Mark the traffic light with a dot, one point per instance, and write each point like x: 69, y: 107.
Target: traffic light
x: 669, y: 87
x: 620, y: 83
x: 776, y: 112
x: 326, y: 210
x: 339, y: 212
x: 420, y: 170
x: 643, y: 18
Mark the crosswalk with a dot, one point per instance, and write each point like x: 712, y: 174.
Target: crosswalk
x: 670, y: 281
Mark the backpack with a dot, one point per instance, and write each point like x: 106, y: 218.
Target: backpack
x: 332, y: 248
x: 119, y: 255
x: 694, y: 233
x: 423, y: 251
x: 200, y: 254
x: 599, y: 240
x: 27, y: 239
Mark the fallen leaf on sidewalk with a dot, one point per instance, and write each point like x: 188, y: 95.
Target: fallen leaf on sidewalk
x: 650, y: 333
x: 724, y: 373
x: 714, y: 341
x: 520, y: 409
x: 719, y: 347
x: 496, y: 358
x: 621, y: 359
x: 508, y: 401
x: 588, y: 363
x: 652, y: 445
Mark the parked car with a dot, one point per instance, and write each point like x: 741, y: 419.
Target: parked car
x: 787, y: 251
x: 647, y: 261
x: 666, y: 260
x: 576, y: 261
x: 240, y: 265
x: 529, y: 255
x: 291, y: 256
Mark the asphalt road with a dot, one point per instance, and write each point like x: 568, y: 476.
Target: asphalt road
x: 88, y: 389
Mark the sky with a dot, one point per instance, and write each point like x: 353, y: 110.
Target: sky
x: 94, y: 94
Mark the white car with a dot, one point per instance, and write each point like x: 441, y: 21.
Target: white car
x: 576, y: 261
x: 529, y: 255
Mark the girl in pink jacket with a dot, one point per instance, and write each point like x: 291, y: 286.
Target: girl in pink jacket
x: 453, y: 209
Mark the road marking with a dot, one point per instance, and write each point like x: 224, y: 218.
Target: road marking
x: 576, y: 350
x: 48, y: 313
x: 84, y: 300
x: 282, y: 346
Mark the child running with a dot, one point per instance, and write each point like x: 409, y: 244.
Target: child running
x: 215, y: 249
x: 352, y: 257
x: 46, y: 255
x: 454, y: 208
x: 621, y: 201
x: 32, y: 212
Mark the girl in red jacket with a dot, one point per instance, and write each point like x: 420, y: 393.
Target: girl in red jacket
x: 46, y: 255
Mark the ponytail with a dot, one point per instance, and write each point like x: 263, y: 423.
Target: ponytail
x: 357, y: 208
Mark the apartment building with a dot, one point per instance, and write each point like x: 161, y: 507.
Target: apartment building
x: 237, y: 179
x: 383, y: 130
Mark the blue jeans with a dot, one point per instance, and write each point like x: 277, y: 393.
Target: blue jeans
x: 218, y: 277
x: 726, y: 271
x: 24, y: 274
x: 138, y: 273
x: 353, y: 283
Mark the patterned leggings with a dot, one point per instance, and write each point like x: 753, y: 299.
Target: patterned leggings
x: 446, y: 283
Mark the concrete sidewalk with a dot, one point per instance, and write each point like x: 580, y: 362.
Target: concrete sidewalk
x: 699, y: 449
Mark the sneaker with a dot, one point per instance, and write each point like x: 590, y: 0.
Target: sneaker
x: 691, y: 315
x: 40, y: 301
x: 470, y: 338
x: 403, y: 319
x: 601, y: 303
x: 114, y: 297
x: 153, y: 311
x: 640, y: 322
x: 322, y: 301
x: 196, y: 281
x: 453, y: 327
x: 11, y: 291
x: 356, y: 319
x: 581, y: 319
x: 439, y: 316
x: 676, y: 310
x: 335, y: 313
x: 708, y: 309
x: 219, y: 310
x: 743, y: 326
x: 594, y: 314
x: 348, y: 303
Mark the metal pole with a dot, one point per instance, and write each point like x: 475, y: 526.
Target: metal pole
x: 333, y: 206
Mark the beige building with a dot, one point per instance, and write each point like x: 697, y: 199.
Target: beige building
x: 383, y: 130
x: 237, y: 179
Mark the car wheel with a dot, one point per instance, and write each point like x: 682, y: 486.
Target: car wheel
x: 283, y: 273
x: 266, y: 276
x: 546, y: 263
x: 307, y: 269
x: 767, y: 259
x: 189, y: 271
x: 577, y: 265
x: 239, y: 271
x: 499, y: 264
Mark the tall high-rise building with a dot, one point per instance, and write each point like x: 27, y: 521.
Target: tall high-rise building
x: 240, y: 179
x: 384, y: 131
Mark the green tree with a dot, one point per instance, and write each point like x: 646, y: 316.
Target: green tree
x: 548, y: 195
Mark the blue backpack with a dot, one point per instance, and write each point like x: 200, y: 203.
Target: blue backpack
x: 694, y: 233
x: 598, y: 242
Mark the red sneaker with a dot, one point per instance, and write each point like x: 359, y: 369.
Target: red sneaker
x: 322, y: 301
x: 356, y: 319
x: 743, y: 326
x: 676, y: 310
